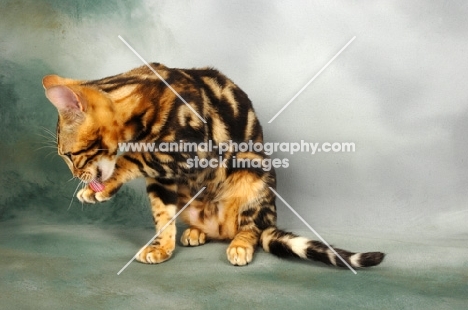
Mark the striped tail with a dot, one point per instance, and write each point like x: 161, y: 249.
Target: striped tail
x: 286, y: 244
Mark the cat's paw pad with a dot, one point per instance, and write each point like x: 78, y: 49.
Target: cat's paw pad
x: 193, y: 237
x: 154, y: 254
x: 88, y: 195
x: 239, y: 255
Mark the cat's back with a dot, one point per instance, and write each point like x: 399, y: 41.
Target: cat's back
x: 222, y: 103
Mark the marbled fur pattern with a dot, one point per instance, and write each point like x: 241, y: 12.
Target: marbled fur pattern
x: 237, y: 204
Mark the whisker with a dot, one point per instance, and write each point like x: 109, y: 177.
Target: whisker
x: 45, y: 146
x: 47, y: 139
x: 82, y: 205
x: 50, y: 132
x: 48, y: 136
x: 48, y: 144
x: 44, y: 143
x: 51, y: 153
x: 76, y: 189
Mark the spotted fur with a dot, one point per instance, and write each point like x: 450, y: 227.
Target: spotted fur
x: 136, y: 106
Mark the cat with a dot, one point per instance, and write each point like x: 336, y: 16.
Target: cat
x: 95, y: 117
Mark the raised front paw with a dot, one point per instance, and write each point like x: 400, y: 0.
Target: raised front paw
x: 239, y: 255
x: 90, y: 196
x: 193, y: 237
x: 154, y: 254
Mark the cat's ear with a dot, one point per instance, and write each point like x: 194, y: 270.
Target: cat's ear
x: 53, y: 80
x: 61, y: 96
x: 65, y: 99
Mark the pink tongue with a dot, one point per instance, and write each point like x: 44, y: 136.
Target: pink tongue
x: 96, y: 186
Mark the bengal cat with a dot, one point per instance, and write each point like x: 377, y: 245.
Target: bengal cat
x: 137, y: 106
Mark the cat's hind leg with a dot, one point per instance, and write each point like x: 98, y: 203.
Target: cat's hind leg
x: 193, y: 216
x: 193, y: 236
x: 240, y: 251
x: 252, y: 206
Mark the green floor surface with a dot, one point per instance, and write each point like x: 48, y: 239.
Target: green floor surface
x: 47, y: 266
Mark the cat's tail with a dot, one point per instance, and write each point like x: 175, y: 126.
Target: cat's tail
x: 286, y: 244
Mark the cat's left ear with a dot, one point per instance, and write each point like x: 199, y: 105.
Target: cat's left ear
x: 54, y: 80
x: 61, y: 96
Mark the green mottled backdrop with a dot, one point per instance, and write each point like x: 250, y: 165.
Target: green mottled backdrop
x: 39, y: 38
x: 398, y: 92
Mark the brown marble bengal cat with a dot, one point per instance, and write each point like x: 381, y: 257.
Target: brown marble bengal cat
x: 137, y: 106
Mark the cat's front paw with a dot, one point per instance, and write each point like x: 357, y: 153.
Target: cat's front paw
x: 88, y: 195
x: 154, y: 254
x: 239, y: 255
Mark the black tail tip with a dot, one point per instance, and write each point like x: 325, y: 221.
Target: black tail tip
x: 371, y: 259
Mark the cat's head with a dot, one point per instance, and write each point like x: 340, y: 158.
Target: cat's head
x: 86, y: 131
